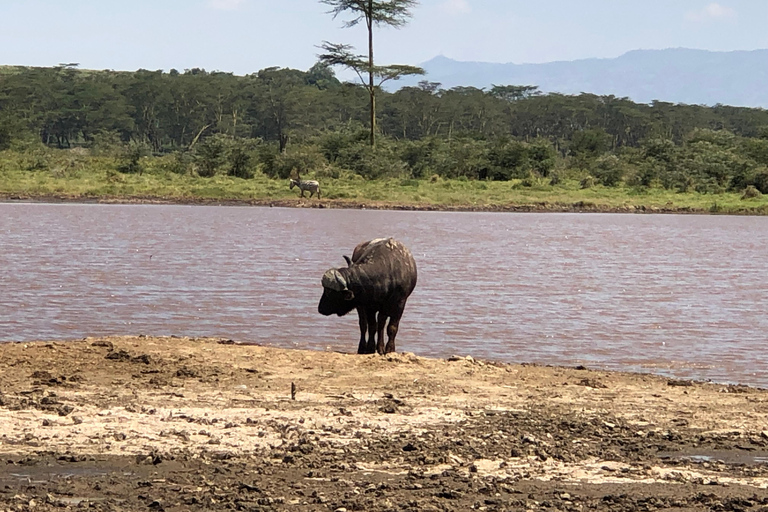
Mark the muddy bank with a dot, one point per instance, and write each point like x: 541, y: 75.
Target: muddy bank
x: 132, y: 423
x: 540, y: 207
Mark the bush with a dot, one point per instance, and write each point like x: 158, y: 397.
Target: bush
x: 721, y: 138
x: 107, y: 143
x: 587, y: 181
x: 37, y: 158
x: 210, y: 155
x: 750, y: 193
x: 508, y: 159
x: 608, y: 170
x: 5, y: 137
x: 333, y: 144
x: 761, y: 180
x: 662, y: 150
x: 464, y: 158
x: 300, y: 160
x: 542, y: 157
x: 757, y: 150
x: 129, y: 161
x: 241, y: 157
x: 587, y: 144
x: 710, y: 166
x: 422, y: 156
x: 372, y: 163
x: 221, y: 153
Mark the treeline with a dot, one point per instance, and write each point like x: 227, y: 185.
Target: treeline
x: 279, y: 121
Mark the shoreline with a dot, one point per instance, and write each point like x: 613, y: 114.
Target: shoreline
x: 195, y: 423
x: 541, y: 207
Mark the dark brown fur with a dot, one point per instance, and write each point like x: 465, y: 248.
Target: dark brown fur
x: 380, y: 277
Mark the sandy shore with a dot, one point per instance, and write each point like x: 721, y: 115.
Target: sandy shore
x: 132, y: 423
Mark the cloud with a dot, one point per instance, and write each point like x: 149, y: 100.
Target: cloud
x: 712, y: 12
x: 456, y: 7
x: 225, y: 5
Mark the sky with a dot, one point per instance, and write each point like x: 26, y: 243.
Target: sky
x: 244, y: 36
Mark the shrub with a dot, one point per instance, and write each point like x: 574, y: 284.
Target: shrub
x: 129, y: 161
x: 710, y: 166
x: 757, y: 150
x: 761, y: 180
x: 369, y: 162
x: 5, y: 137
x: 542, y: 157
x: 466, y: 158
x: 586, y: 144
x: 587, y: 181
x: 659, y: 149
x: 721, y: 138
x: 508, y: 159
x: 210, y: 155
x: 241, y: 157
x: 422, y: 156
x: 107, y: 143
x: 333, y: 144
x: 750, y: 193
x: 608, y: 170
x: 300, y: 160
x: 37, y: 159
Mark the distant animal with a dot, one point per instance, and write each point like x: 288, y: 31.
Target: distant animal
x: 377, y: 282
x: 312, y: 186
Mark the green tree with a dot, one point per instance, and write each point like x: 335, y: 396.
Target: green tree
x: 393, y: 13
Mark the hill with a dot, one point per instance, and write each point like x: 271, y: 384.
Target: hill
x: 677, y: 75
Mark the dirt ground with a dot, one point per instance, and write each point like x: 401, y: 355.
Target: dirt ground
x: 137, y: 423
x: 541, y: 207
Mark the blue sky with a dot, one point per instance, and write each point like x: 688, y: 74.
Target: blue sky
x: 243, y: 36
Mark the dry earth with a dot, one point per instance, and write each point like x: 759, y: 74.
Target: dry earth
x: 137, y: 423
x: 541, y: 207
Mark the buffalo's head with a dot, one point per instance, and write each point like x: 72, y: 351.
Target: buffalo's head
x: 337, y: 297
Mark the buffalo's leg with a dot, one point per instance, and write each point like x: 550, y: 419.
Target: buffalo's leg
x: 371, y: 347
x: 362, y: 347
x: 394, y: 322
x: 382, y: 323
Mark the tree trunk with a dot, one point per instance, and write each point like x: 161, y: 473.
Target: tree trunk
x: 371, y: 86
x: 283, y: 142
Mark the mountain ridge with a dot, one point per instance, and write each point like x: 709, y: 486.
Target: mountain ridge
x: 675, y: 75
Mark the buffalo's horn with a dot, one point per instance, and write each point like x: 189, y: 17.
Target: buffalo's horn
x: 333, y: 280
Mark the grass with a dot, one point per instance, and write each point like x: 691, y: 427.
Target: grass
x: 86, y: 177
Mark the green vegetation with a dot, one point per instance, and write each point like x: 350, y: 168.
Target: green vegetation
x: 200, y: 135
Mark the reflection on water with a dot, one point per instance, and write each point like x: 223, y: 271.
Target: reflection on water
x: 685, y: 296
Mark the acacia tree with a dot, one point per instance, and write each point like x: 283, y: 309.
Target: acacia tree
x: 393, y: 13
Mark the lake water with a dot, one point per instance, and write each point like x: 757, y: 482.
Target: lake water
x: 684, y: 296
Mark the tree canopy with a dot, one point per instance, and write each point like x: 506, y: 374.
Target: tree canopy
x: 230, y: 122
x: 393, y: 13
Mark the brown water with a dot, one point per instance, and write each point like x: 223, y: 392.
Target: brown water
x: 684, y: 296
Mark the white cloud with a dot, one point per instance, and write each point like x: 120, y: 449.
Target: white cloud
x: 225, y: 5
x: 711, y: 12
x: 456, y: 7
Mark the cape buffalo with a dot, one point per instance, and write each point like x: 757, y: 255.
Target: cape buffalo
x: 377, y: 282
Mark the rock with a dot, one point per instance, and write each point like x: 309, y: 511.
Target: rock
x: 64, y: 410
